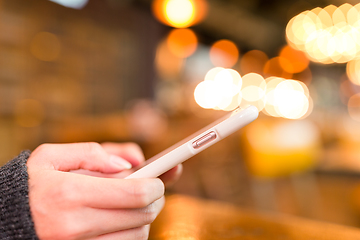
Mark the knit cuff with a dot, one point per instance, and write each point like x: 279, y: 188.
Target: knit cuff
x: 15, y: 216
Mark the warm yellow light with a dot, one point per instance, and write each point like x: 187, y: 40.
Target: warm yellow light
x: 273, y: 67
x: 290, y: 99
x: 224, y: 53
x: 353, y: 71
x: 353, y: 16
x: 339, y: 15
x: 219, y: 90
x: 287, y: 98
x: 254, y: 87
x: 179, y: 13
x: 233, y: 104
x: 182, y: 42
x: 253, y: 91
x: 293, y: 61
x: 328, y: 35
x: 270, y: 107
x: 211, y: 74
x: 201, y: 94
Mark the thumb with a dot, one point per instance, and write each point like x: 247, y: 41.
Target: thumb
x: 73, y: 156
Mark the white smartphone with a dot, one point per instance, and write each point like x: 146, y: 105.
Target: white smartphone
x: 195, y: 143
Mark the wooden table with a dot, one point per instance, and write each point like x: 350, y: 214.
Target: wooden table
x: 188, y: 218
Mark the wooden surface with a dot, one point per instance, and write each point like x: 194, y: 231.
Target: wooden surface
x: 196, y: 219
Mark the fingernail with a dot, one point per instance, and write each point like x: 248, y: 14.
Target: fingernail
x: 120, y: 162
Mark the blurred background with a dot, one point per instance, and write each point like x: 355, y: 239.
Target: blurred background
x: 154, y: 72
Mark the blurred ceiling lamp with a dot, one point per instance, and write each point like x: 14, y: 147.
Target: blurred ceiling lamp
x: 273, y: 68
x: 270, y: 106
x: 287, y: 98
x: 353, y: 71
x: 179, y: 13
x: 253, y: 91
x: 219, y: 90
x: 253, y: 61
x: 182, y: 42
x: 293, y: 61
x: 290, y: 99
x: 167, y: 64
x: 329, y: 35
x: 45, y: 46
x: 354, y: 107
x: 77, y: 4
x: 224, y: 53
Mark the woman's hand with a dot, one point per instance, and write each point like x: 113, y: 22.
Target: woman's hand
x: 65, y: 205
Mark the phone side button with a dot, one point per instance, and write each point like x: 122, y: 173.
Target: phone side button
x: 204, y: 140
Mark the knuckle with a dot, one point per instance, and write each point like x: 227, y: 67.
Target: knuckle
x: 132, y: 145
x: 150, y: 213
x: 142, y: 194
x: 145, y: 191
x: 65, y: 194
x: 142, y: 233
x: 64, y: 230
x: 41, y: 149
x: 69, y: 231
x: 92, y: 149
x: 70, y: 193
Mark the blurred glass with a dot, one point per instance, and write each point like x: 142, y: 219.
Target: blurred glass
x: 272, y: 151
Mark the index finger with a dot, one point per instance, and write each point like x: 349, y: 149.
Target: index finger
x: 114, y: 193
x: 129, y: 151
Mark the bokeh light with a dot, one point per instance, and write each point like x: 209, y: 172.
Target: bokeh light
x: 224, y: 53
x: 293, y: 61
x: 287, y: 98
x: 219, y: 90
x: 29, y: 113
x: 45, y: 46
x: 167, y: 64
x: 253, y: 91
x: 353, y: 71
x: 329, y: 35
x: 179, y: 13
x: 253, y: 61
x: 273, y: 68
x: 270, y: 105
x: 182, y: 42
x: 347, y: 90
x: 354, y: 107
x: 225, y: 89
x: 290, y: 99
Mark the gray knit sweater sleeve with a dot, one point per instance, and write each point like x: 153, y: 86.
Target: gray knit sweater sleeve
x: 15, y: 217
